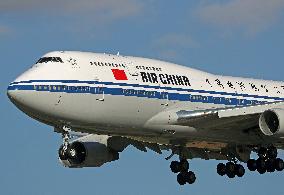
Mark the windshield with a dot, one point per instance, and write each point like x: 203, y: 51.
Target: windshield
x: 49, y: 59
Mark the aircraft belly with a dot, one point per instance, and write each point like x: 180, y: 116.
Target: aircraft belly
x: 112, y: 111
x: 119, y: 115
x: 86, y: 110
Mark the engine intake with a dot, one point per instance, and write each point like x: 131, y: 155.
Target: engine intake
x: 76, y: 153
x: 87, y: 153
x: 271, y: 122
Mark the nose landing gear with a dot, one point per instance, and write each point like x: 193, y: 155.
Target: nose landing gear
x: 62, y: 152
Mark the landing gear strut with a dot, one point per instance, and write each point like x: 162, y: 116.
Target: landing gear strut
x: 64, y: 147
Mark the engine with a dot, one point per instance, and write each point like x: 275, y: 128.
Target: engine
x: 89, y: 151
x: 271, y: 122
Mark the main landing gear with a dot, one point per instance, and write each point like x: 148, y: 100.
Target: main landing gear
x: 230, y: 169
x: 184, y: 175
x: 267, y: 161
x: 181, y: 167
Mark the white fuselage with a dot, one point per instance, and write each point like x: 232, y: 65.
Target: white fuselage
x: 110, y: 94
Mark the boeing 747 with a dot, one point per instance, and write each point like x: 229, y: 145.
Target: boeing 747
x: 112, y: 101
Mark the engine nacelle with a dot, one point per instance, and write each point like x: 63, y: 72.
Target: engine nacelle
x: 271, y: 122
x: 87, y: 152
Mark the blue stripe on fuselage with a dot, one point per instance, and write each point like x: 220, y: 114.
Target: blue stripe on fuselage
x: 138, y: 93
x: 150, y: 87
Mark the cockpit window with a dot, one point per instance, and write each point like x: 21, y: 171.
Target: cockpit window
x: 49, y: 59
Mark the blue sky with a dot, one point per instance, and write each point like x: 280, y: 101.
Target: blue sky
x: 230, y: 37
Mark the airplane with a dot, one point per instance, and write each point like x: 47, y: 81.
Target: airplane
x: 103, y: 103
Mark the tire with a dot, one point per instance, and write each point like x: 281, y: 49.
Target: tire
x: 175, y: 166
x: 231, y: 175
x: 262, y: 152
x: 261, y: 165
x: 272, y: 152
x: 230, y: 170
x: 230, y: 167
x: 279, y: 164
x: 184, y: 165
x: 221, y: 169
x: 239, y: 170
x: 261, y: 170
x: 181, y: 179
x: 270, y: 165
x: 190, y: 177
x: 251, y: 164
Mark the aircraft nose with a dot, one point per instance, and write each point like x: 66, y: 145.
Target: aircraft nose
x: 13, y: 93
x: 9, y: 94
x: 9, y: 91
x: 20, y: 96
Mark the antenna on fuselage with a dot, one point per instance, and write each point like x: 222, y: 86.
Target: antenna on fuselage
x: 117, y: 54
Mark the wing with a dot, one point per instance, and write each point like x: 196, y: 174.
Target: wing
x: 237, y: 118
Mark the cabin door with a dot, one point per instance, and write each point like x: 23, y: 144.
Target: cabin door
x: 164, y: 95
x: 98, y: 90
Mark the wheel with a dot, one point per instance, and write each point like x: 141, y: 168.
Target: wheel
x: 261, y: 170
x: 262, y: 152
x: 184, y: 165
x: 230, y: 170
x: 231, y: 175
x: 251, y: 164
x: 272, y: 152
x: 239, y: 170
x: 181, y: 178
x: 175, y: 166
x: 270, y: 165
x: 261, y: 165
x: 62, y: 154
x: 279, y: 164
x: 221, y: 169
x: 190, y: 177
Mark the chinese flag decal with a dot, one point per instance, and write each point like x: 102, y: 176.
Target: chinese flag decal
x: 119, y: 74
